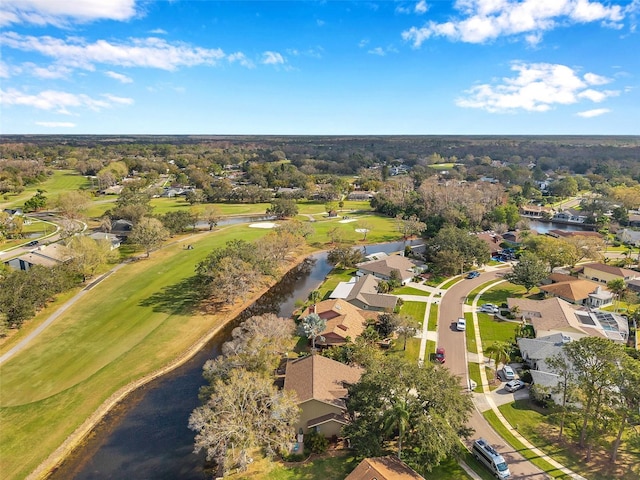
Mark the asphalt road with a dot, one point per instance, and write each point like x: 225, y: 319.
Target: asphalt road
x: 451, y: 307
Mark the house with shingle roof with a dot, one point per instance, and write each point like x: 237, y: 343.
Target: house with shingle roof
x: 492, y: 239
x: 362, y: 292
x: 554, y: 315
x: 320, y: 385
x: 383, y: 468
x: 383, y: 267
x: 344, y: 321
x: 579, y: 291
x: 600, y: 272
x: 45, y: 256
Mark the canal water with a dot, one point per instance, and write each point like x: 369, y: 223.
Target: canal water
x: 146, y: 436
x: 544, y: 227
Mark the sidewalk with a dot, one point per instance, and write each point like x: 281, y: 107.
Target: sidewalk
x: 486, y: 401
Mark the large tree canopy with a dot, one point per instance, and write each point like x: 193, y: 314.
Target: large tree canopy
x: 422, y: 410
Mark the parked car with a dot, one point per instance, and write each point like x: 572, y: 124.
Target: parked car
x: 508, y: 373
x: 514, y: 385
x: 473, y: 274
x: 440, y: 354
x: 490, y: 308
x: 461, y: 325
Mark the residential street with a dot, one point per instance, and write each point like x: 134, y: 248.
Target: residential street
x: 451, y: 307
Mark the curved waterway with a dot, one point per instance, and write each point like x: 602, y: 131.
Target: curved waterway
x: 146, y: 435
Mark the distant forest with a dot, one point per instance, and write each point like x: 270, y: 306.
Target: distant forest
x: 609, y: 156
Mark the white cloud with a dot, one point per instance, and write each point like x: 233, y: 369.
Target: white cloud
x: 158, y: 31
x: 421, y: 7
x: 118, y: 100
x: 50, y: 72
x: 60, y: 12
x: 593, y: 79
x: 382, y: 51
x: 56, y: 124
x: 593, y: 113
x: 58, y: 101
x: 538, y: 87
x: 320, y: 23
x: 136, y: 52
x: 119, y: 77
x: 272, y: 58
x: 485, y: 20
x: 241, y: 59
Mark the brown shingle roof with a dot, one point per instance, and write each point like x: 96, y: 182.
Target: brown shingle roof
x: 383, y: 468
x: 320, y: 378
x: 550, y: 314
x: 574, y: 290
x: 343, y: 319
x: 619, y: 271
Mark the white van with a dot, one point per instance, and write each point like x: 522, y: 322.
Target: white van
x: 487, y: 455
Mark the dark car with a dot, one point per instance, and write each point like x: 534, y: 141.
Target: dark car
x: 440, y: 355
x: 473, y: 274
x: 33, y: 243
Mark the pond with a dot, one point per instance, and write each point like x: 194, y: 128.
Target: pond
x: 146, y: 436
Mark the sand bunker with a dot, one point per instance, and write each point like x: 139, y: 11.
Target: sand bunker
x: 347, y: 221
x: 263, y: 225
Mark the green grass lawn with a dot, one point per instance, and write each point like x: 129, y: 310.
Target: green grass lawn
x: 495, y: 330
x: 60, y: 181
x: 505, y: 433
x: 449, y: 283
x: 432, y: 326
x: 533, y: 425
x: 412, y: 351
x: 410, y: 291
x: 474, y: 374
x: 415, y: 310
x: 134, y: 322
x: 472, y: 345
x: 332, y: 280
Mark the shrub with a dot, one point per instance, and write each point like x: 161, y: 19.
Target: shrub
x: 315, y: 443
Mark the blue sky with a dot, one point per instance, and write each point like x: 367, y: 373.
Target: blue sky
x: 320, y: 67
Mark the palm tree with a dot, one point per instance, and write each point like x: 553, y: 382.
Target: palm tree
x: 500, y: 352
x: 397, y: 417
x: 617, y: 287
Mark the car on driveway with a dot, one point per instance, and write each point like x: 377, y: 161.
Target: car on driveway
x: 440, y: 354
x: 514, y: 385
x: 461, y: 325
x: 490, y: 308
x: 508, y: 373
x: 473, y: 274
